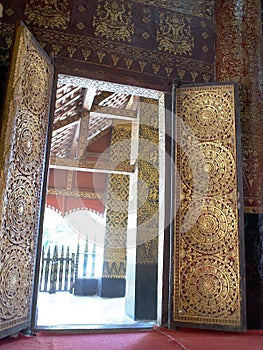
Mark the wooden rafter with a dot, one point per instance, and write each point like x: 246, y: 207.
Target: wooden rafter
x: 102, y: 166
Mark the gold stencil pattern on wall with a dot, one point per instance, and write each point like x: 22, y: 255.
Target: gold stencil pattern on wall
x: 117, y: 204
x: 114, y: 265
x: 56, y: 13
x: 113, y: 20
x: 174, y: 34
x: 121, y: 144
x: 148, y: 183
x: 23, y: 144
x: 206, y: 270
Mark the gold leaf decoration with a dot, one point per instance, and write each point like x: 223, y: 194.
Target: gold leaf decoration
x: 113, y: 20
x: 56, y: 14
x: 9, y: 12
x: 168, y: 71
x: 174, y: 35
x: 115, y: 59
x: 8, y: 40
x: 128, y: 62
x: 85, y: 53
x: 146, y: 35
x: 81, y: 25
x: 56, y: 48
x: 142, y: 65
x: 205, y: 35
x: 156, y: 68
x: 206, y: 77
x: 81, y: 8
x: 146, y: 20
x: 194, y: 75
x: 71, y: 51
x: 181, y: 73
x: 100, y: 55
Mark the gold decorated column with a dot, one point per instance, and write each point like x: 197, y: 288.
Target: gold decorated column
x: 239, y: 58
x: 113, y: 281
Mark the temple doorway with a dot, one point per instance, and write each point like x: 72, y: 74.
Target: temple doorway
x: 101, y: 227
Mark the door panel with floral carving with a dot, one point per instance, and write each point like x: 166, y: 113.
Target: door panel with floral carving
x: 23, y: 152
x: 209, y: 288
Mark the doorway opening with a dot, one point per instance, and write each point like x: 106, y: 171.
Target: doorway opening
x: 104, y: 214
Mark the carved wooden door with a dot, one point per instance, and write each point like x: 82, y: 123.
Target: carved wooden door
x: 209, y: 285
x: 23, y: 153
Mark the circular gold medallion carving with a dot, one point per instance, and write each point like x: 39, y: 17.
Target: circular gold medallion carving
x: 208, y: 169
x: 208, y: 227
x: 15, y: 283
x: 35, y: 83
x: 21, y: 211
x: 208, y: 114
x: 209, y: 288
x: 27, y: 152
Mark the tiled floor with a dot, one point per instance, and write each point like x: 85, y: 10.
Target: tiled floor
x: 64, y: 308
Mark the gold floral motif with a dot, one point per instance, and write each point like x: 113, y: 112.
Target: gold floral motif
x: 81, y: 25
x: 206, y: 77
x: 146, y: 20
x: 174, y: 35
x: 85, y: 53
x: 56, y: 48
x: 71, y: 51
x: 115, y: 59
x: 168, y: 71
x: 194, y: 76
x: 55, y: 15
x: 145, y: 35
x: 205, y: 35
x: 81, y: 8
x: 156, y: 68
x: 142, y: 65
x: 181, y: 73
x: 101, y: 55
x: 113, y: 20
x: 9, y: 12
x: 128, y: 62
x: 142, y: 56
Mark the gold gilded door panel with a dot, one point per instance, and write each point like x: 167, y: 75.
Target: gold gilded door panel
x: 208, y: 267
x: 23, y: 151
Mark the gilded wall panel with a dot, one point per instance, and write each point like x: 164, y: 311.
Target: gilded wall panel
x: 146, y: 41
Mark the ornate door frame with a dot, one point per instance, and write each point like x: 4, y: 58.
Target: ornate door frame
x: 23, y: 147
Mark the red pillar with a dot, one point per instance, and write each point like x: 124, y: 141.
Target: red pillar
x: 239, y: 55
